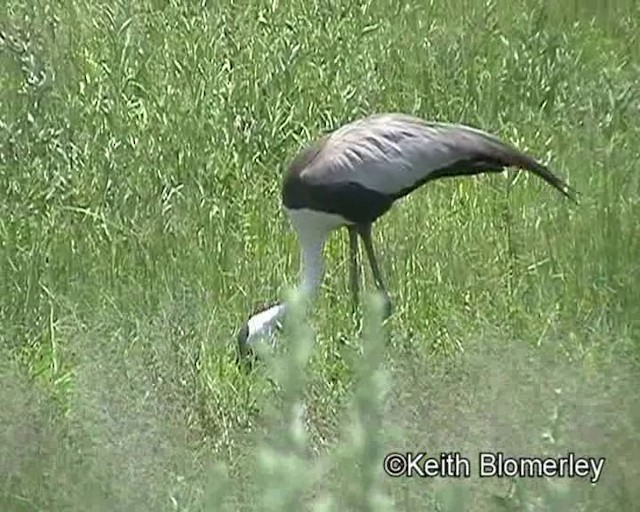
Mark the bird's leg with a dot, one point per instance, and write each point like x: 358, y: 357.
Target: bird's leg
x: 365, y: 234
x: 353, y: 269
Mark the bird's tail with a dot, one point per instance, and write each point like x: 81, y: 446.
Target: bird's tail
x: 523, y: 161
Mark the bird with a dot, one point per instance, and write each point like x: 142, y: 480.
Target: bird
x: 353, y: 175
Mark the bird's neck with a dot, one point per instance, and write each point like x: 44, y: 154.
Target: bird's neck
x: 310, y: 265
x: 264, y: 323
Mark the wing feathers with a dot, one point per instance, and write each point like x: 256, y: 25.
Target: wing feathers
x: 393, y: 154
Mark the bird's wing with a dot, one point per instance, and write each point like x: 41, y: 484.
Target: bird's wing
x: 392, y: 154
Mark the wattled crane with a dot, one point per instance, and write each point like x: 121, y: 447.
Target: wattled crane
x: 352, y: 176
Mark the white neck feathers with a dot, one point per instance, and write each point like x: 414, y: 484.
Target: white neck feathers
x: 312, y: 229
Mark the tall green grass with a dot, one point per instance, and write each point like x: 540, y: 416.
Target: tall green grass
x: 141, y: 149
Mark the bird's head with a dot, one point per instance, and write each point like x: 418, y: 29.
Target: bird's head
x: 260, y: 327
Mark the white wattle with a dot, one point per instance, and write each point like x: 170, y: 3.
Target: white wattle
x: 263, y: 325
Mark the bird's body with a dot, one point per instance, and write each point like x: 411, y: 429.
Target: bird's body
x: 353, y: 176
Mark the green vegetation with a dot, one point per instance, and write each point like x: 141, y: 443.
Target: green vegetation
x: 141, y: 148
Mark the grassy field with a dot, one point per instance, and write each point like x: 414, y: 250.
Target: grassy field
x: 141, y: 149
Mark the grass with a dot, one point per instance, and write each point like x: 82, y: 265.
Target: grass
x: 141, y: 148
